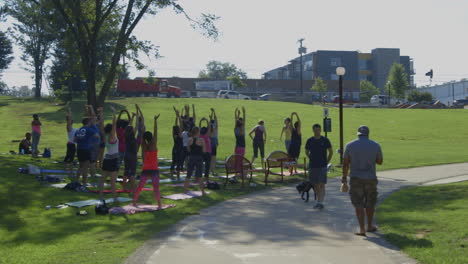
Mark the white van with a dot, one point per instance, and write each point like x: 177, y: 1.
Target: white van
x: 226, y: 94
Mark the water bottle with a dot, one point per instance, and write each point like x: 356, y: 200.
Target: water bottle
x: 22, y: 151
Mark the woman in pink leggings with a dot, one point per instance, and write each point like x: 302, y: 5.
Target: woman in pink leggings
x: 150, y: 164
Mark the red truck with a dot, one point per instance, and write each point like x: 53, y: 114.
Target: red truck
x: 140, y: 88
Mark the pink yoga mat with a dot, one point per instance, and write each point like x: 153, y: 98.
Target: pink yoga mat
x: 183, y: 196
x: 130, y: 209
x: 119, y: 190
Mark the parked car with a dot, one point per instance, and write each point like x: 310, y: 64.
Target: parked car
x: 383, y: 100
x: 336, y: 100
x: 264, y: 97
x: 460, y: 102
x: 225, y: 94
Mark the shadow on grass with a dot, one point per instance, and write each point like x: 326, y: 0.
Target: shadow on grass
x: 407, y: 242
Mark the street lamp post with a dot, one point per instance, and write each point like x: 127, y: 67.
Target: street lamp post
x: 340, y: 71
x: 302, y: 50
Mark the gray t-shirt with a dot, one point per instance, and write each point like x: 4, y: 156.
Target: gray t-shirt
x: 363, y: 153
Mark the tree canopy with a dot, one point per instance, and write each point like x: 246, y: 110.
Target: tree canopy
x: 6, y: 49
x: 319, y: 86
x: 221, y: 71
x: 367, y: 91
x: 397, y: 81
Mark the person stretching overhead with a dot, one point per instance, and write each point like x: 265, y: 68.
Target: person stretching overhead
x: 296, y: 141
x: 214, y: 141
x: 205, y: 135
x: 110, y: 166
x: 71, y: 144
x: 131, y: 154
x: 259, y: 140
x: 150, y: 164
x: 178, y: 148
x: 196, y: 148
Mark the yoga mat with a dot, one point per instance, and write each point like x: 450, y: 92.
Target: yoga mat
x: 62, y: 185
x: 130, y: 209
x: 120, y: 190
x: 55, y: 171
x: 183, y: 196
x: 190, y: 184
x: 80, y: 204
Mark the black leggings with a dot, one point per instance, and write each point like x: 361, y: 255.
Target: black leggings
x: 178, y: 157
x: 207, y: 161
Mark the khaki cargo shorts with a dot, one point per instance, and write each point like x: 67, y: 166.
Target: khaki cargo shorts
x: 363, y: 192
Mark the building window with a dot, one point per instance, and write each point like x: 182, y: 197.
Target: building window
x: 335, y: 62
x: 363, y: 65
x: 333, y: 77
x: 308, y: 66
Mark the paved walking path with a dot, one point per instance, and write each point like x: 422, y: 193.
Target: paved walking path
x: 275, y: 226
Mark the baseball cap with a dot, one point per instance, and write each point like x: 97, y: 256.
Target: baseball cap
x: 363, y: 131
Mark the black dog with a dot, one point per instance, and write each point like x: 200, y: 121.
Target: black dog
x: 304, y: 188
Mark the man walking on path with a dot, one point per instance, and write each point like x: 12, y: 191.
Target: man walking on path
x: 316, y: 149
x: 360, y: 156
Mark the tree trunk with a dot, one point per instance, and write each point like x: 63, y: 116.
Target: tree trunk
x: 38, y: 81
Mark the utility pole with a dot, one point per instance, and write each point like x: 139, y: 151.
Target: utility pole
x: 302, y: 50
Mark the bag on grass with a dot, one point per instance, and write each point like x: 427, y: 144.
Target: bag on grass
x: 213, y: 186
x: 73, y: 186
x: 102, y: 208
x: 47, y: 153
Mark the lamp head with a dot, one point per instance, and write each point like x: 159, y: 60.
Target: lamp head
x: 340, y: 71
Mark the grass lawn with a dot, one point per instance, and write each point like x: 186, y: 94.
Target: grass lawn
x: 31, y: 234
x: 428, y: 223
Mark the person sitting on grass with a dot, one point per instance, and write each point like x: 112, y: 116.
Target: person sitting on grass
x: 25, y: 144
x: 71, y: 144
x: 178, y: 147
x: 131, y: 153
x: 110, y: 163
x: 150, y: 164
x: 259, y: 140
x: 296, y: 141
x: 196, y: 148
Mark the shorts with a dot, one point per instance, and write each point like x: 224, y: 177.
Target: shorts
x: 110, y: 165
x: 318, y: 175
x: 130, y: 163
x: 71, y: 152
x: 83, y: 155
x: 94, y: 153
x: 258, y: 145
x: 214, y: 146
x: 363, y: 192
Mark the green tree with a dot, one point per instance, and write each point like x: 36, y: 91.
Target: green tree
x: 86, y: 20
x: 367, y: 91
x: 419, y: 97
x: 6, y: 49
x: 34, y: 34
x: 221, y: 71
x: 319, y: 86
x: 397, y: 83
x: 237, y: 81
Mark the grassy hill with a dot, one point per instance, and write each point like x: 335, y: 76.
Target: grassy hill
x: 31, y: 234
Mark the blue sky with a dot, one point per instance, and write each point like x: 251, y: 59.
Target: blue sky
x: 258, y: 35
